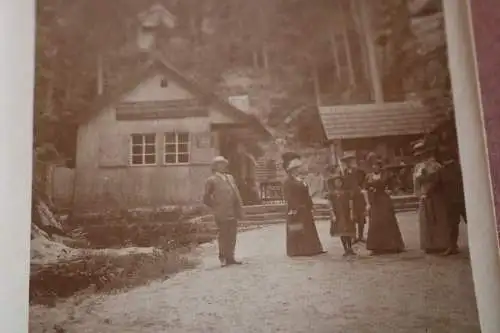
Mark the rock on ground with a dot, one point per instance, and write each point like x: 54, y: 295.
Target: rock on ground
x: 403, y: 293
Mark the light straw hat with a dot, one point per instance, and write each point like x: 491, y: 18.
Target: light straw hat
x: 294, y: 164
x: 220, y: 159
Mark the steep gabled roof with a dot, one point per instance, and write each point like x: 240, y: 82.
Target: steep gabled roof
x: 154, y: 64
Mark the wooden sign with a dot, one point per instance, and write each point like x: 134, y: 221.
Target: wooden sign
x: 204, y: 140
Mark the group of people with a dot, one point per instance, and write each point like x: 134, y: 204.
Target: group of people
x: 357, y: 198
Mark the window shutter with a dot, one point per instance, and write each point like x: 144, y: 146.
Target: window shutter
x: 201, y: 147
x: 113, y: 150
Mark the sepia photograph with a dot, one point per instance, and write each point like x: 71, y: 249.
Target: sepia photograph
x: 247, y: 166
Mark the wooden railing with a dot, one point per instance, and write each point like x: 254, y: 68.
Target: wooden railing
x: 271, y: 192
x: 401, y: 179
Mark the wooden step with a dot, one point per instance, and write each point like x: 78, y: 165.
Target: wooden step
x: 276, y: 213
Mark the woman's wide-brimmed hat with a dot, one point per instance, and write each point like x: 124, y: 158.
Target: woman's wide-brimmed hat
x: 371, y: 156
x: 288, y: 157
x: 348, y: 157
x: 421, y: 147
x: 294, y: 164
x: 337, y: 176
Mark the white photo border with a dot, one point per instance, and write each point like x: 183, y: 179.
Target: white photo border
x: 17, y: 44
x: 482, y: 230
x: 17, y: 34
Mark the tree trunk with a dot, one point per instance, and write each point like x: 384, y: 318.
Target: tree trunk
x: 316, y: 85
x: 347, y: 44
x: 376, y: 79
x: 43, y: 218
x: 335, y: 52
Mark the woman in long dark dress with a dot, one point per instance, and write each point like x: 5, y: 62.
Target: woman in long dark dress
x: 342, y: 204
x: 433, y: 213
x: 301, y: 235
x: 384, y: 235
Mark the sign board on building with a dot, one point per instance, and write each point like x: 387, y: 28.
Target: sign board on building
x: 204, y: 140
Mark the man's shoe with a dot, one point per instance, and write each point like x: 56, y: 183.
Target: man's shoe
x: 233, y: 262
x: 223, y: 262
x: 450, y: 252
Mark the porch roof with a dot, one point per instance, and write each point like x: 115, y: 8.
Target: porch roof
x: 373, y: 120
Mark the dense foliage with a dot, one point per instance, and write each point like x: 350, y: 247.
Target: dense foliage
x: 280, y: 42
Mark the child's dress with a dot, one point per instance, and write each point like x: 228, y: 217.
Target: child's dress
x: 343, y: 224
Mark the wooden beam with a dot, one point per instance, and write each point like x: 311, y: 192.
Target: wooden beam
x: 164, y: 114
x: 161, y: 110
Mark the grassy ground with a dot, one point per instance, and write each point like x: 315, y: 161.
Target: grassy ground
x: 110, y: 270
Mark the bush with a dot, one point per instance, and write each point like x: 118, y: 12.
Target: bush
x: 102, y: 274
x: 168, y: 230
x: 170, y: 226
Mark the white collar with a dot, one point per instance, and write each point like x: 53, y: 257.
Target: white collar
x: 222, y: 175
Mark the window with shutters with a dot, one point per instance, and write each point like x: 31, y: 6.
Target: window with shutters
x: 177, y: 148
x: 143, y: 149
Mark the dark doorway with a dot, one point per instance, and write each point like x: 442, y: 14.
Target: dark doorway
x: 240, y: 166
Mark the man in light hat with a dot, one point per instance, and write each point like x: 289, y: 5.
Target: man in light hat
x: 354, y: 179
x: 222, y: 195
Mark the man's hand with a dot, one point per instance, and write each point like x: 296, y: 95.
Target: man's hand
x: 207, y: 196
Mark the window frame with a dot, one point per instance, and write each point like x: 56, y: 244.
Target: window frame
x: 176, y: 143
x: 143, y: 146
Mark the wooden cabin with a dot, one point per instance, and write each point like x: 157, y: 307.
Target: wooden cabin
x: 149, y: 141
x: 386, y: 129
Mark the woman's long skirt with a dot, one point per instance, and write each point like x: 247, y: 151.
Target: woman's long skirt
x: 434, y: 223
x: 384, y: 235
x: 302, y: 236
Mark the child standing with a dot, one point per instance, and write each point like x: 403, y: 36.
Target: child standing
x: 343, y: 225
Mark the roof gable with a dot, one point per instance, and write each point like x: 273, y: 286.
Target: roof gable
x: 148, y: 70
x: 152, y: 89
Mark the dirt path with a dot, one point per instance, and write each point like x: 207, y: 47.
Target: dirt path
x: 272, y: 293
